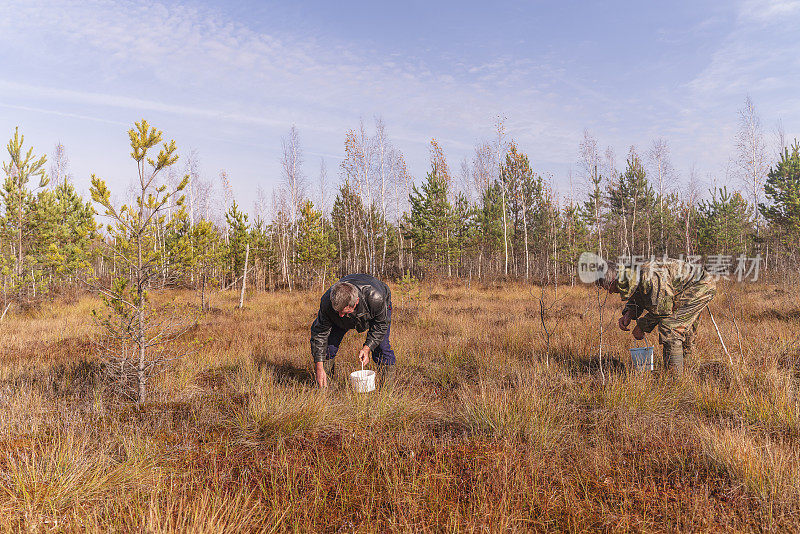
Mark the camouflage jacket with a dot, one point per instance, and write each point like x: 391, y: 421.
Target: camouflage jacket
x: 653, y: 290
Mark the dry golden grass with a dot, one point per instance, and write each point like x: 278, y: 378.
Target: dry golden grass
x: 483, y: 430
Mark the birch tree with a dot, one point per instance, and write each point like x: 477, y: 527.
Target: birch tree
x: 751, y: 155
x: 192, y: 170
x: 483, y: 165
x: 323, y: 185
x: 227, y: 198
x: 295, y: 186
x: 59, y: 166
x: 401, y: 181
x: 293, y: 178
x: 282, y: 229
x: 385, y: 161
x: 659, y: 159
x: 358, y: 168
x: 589, y: 161
x: 689, y: 197
x: 500, y: 151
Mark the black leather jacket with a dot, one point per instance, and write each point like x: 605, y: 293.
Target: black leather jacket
x: 374, y: 300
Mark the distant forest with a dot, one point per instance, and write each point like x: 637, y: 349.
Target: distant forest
x: 489, y: 217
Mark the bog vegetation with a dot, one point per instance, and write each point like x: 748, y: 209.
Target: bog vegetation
x: 156, y: 372
x: 485, y: 429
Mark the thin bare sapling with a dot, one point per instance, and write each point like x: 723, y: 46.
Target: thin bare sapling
x: 602, y: 299
x: 547, y: 305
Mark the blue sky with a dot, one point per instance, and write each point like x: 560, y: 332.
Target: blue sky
x: 228, y: 79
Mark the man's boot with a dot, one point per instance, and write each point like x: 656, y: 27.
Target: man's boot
x: 688, y: 348
x: 673, y: 357
x: 386, y: 374
x: 688, y: 342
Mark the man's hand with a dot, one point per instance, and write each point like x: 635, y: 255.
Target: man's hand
x: 638, y: 333
x: 625, y: 321
x: 322, y: 378
x: 363, y: 355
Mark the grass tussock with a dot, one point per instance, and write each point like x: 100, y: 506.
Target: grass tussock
x: 487, y: 427
x: 527, y: 408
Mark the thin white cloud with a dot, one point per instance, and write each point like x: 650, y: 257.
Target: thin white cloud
x: 204, y: 66
x: 768, y: 11
x: 131, y: 103
x: 755, y: 51
x: 97, y: 58
x: 62, y: 114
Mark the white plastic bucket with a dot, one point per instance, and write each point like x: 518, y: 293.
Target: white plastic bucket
x: 642, y: 358
x: 363, y: 381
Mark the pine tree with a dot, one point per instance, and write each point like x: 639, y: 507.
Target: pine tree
x: 178, y: 245
x: 429, y: 225
x: 19, y: 202
x: 724, y: 223
x: 137, y: 335
x: 522, y: 186
x: 593, y: 211
x: 348, y: 218
x: 263, y: 254
x: 238, y: 238
x: 578, y: 235
x: 464, y: 236
x: 208, y: 250
x: 489, y: 220
x: 44, y: 256
x: 75, y: 230
x: 314, y: 250
x: 783, y: 191
x: 631, y: 198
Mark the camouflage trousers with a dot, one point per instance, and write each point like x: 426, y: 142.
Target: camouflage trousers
x: 682, y: 325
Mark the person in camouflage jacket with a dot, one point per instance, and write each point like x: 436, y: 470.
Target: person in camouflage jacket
x: 667, y: 293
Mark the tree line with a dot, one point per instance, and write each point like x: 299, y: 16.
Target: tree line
x: 492, y: 216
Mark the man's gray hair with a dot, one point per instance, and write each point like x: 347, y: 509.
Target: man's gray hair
x: 343, y: 295
x: 608, y: 279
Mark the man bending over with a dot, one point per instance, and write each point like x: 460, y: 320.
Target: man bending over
x: 356, y: 301
x: 666, y: 293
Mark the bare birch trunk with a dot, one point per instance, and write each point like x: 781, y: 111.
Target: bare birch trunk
x: 244, y: 276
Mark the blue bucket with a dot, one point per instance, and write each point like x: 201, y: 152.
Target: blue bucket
x: 642, y: 358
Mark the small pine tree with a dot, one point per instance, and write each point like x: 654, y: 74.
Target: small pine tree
x: 208, y: 252
x: 783, y: 191
x: 131, y: 320
x: 178, y: 248
x: 630, y: 198
x: 429, y: 225
x: 19, y: 202
x: 593, y: 210
x: 263, y: 254
x: 490, y: 222
x: 464, y: 238
x: 724, y: 223
x: 69, y: 254
x: 315, y: 252
x: 238, y: 238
